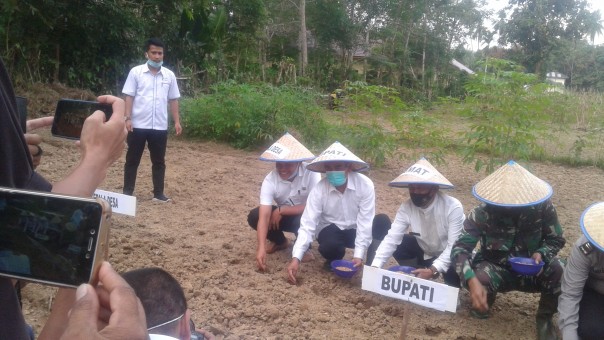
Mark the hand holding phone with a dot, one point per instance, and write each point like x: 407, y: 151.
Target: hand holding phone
x: 70, y: 116
x: 104, y: 140
x: 52, y: 239
x: 112, y: 311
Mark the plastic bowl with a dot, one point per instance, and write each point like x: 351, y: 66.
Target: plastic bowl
x: 402, y: 269
x: 344, y: 268
x: 525, y: 265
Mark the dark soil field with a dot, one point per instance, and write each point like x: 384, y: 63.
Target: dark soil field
x: 203, y: 239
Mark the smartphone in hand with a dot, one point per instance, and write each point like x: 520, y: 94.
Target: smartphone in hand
x: 71, y: 114
x: 52, y: 239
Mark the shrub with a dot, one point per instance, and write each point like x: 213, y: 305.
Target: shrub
x: 246, y: 116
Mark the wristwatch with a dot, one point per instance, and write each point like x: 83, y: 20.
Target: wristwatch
x: 126, y: 118
x: 435, y: 272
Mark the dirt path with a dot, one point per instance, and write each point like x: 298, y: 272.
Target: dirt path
x: 203, y: 239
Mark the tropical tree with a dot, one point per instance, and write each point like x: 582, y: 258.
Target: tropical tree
x: 536, y: 25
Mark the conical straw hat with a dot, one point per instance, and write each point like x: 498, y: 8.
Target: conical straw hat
x: 337, y: 153
x: 512, y: 186
x: 287, y: 149
x: 592, y: 224
x: 421, y: 172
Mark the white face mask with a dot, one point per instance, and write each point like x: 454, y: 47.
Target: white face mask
x: 154, y: 64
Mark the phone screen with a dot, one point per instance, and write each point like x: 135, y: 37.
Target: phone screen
x: 71, y: 114
x: 48, y: 238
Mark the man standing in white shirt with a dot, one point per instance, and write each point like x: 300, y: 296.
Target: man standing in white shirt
x: 288, y: 186
x: 150, y: 89
x: 339, y: 210
x: 426, y: 225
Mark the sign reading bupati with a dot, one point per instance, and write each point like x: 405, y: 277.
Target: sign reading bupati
x: 409, y: 288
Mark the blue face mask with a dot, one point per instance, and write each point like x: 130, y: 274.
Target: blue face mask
x: 155, y: 64
x: 336, y: 178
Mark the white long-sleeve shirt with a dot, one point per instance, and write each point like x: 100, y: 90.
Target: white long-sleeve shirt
x: 288, y: 193
x: 436, y: 227
x: 355, y: 208
x: 581, y: 271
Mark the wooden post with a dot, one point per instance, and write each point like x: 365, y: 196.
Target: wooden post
x: 406, y: 316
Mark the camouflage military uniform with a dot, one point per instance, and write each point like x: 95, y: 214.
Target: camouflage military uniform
x: 508, y: 232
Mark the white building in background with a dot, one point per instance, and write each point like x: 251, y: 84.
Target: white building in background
x: 556, y: 80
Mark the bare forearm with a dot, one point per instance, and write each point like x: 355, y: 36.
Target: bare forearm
x: 82, y: 181
x: 57, y: 321
x: 287, y: 210
x: 174, y: 108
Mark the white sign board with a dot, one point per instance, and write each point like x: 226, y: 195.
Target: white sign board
x: 410, y: 288
x: 120, y: 204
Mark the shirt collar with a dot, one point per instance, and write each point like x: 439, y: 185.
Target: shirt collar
x: 147, y: 69
x: 350, y: 183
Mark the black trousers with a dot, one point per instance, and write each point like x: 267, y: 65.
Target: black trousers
x: 409, y: 249
x: 591, y: 309
x: 289, y: 223
x: 333, y: 241
x: 156, y: 140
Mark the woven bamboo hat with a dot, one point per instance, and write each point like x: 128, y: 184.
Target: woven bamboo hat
x: 592, y: 224
x: 337, y: 153
x: 512, y: 186
x: 287, y: 149
x: 421, y: 172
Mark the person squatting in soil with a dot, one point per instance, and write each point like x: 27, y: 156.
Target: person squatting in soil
x: 288, y: 185
x: 339, y: 210
x: 425, y: 227
x: 74, y: 314
x: 581, y: 304
x: 516, y: 219
x: 149, y: 89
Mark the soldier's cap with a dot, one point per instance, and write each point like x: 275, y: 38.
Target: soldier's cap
x: 287, y: 149
x: 512, y: 186
x: 421, y: 172
x: 337, y: 152
x: 592, y: 224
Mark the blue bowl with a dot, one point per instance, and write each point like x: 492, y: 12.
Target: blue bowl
x: 344, y: 268
x: 402, y: 269
x: 525, y: 265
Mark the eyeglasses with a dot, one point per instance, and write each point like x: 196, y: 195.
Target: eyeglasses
x: 167, y: 322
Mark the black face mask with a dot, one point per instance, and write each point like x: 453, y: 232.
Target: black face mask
x: 420, y: 200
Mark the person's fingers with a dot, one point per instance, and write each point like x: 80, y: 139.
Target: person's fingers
x: 292, y: 271
x: 483, y: 301
x: 104, y: 303
x: 291, y: 276
x: 126, y: 310
x: 117, y: 104
x: 33, y: 139
x: 33, y: 124
x: 83, y: 315
x: 537, y: 257
x: 97, y: 116
x: 261, y: 261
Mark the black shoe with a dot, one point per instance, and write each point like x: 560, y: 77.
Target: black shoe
x: 162, y: 198
x: 129, y: 193
x: 327, y: 265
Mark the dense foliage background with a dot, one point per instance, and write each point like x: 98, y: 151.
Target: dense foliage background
x: 252, y: 69
x: 404, y: 44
